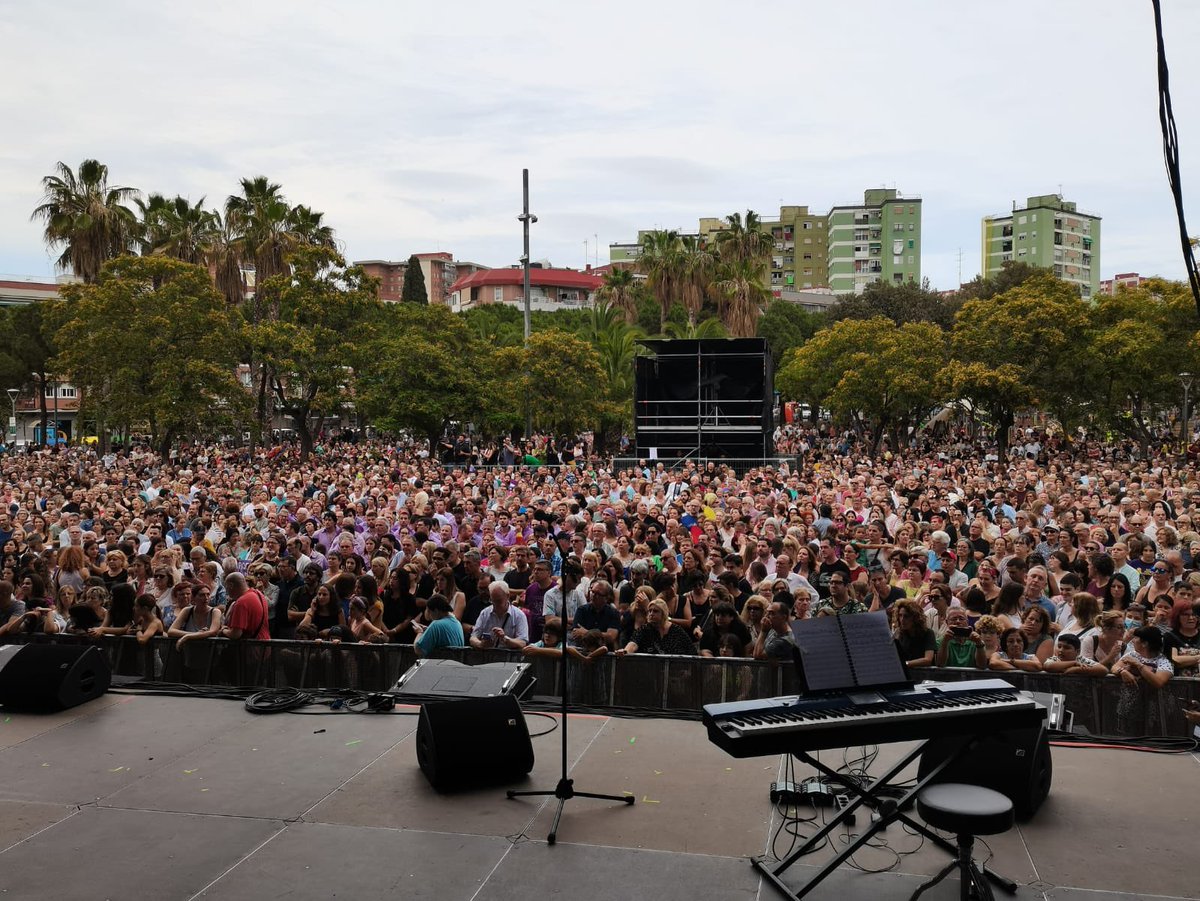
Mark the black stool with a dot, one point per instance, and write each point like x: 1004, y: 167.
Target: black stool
x: 967, y: 811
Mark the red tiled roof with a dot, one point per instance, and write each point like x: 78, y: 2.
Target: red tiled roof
x: 550, y: 278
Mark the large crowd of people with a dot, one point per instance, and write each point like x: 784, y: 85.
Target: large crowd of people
x: 1060, y: 557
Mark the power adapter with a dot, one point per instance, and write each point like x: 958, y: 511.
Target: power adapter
x: 816, y: 793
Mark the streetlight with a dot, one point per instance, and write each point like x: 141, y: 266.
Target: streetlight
x: 12, y: 396
x: 525, y: 219
x: 1185, y: 379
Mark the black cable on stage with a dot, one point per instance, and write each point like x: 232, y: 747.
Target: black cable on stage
x: 1149, y: 744
x: 1166, y: 118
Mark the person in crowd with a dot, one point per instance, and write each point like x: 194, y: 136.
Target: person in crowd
x: 196, y: 620
x: 1068, y: 659
x: 723, y: 622
x: 501, y: 625
x: 916, y: 641
x: 960, y: 645
x: 248, y: 615
x: 839, y: 601
x: 599, y: 614
x: 659, y: 635
x: 1143, y: 661
x: 1012, y: 654
x: 1181, y: 645
x: 323, y: 615
x: 147, y: 624
x: 443, y: 630
x: 1036, y: 629
x: 776, y: 641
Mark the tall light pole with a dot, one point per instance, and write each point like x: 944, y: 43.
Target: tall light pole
x: 526, y: 218
x: 12, y: 396
x: 1185, y: 379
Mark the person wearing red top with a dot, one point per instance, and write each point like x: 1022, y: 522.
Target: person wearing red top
x: 250, y: 616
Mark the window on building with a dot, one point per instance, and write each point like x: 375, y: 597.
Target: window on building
x: 808, y: 271
x: 66, y: 391
x: 1021, y: 252
x: 1022, y: 220
x: 897, y: 261
x: 1021, y: 236
x: 910, y: 259
x: 910, y: 243
x: 1033, y: 235
x: 912, y: 227
x: 497, y: 294
x: 807, y: 226
x: 808, y: 256
x: 808, y: 240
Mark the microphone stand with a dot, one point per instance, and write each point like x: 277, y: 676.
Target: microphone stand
x: 564, y: 791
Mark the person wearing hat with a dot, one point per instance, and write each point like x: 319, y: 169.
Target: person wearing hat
x: 956, y: 579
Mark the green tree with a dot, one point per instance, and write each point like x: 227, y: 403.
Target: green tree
x: 496, y: 324
x: 709, y: 328
x: 26, y: 348
x: 697, y: 267
x: 1136, y: 341
x: 423, y: 370
x: 1012, y: 274
x: 413, y: 290
x: 85, y: 216
x: 560, y: 376
x: 901, y: 303
x: 151, y: 341
x: 619, y: 292
x: 179, y: 229
x: 1025, y: 345
x: 741, y: 296
x: 787, y: 325
x: 326, y: 312
x: 743, y: 240
x: 880, y: 377
x: 661, y: 261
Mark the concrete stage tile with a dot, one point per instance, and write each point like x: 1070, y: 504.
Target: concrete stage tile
x: 691, y: 795
x: 852, y: 885
x: 93, y: 756
x: 21, y: 819
x: 128, y: 854
x: 393, y: 792
x: 17, y: 726
x: 268, y: 765
x: 318, y: 860
x: 537, y: 870
x: 1120, y: 810
x: 1059, y: 893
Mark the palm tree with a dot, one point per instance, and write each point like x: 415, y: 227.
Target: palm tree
x: 262, y: 220
x: 184, y: 231
x: 742, y: 296
x: 660, y: 262
x: 709, y: 328
x: 698, y: 264
x: 149, y: 226
x: 308, y: 228
x: 744, y: 239
x: 618, y: 292
x: 224, y: 259
x: 87, y: 217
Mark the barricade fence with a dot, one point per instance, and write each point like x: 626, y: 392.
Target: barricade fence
x: 647, y: 683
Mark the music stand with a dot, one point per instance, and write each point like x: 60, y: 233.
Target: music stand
x: 564, y: 791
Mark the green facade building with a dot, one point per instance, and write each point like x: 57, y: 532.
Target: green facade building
x: 877, y: 240
x: 1048, y: 232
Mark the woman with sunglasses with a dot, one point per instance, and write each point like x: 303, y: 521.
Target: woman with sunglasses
x: 1158, y: 585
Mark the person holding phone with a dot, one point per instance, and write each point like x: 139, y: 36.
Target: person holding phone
x: 960, y: 645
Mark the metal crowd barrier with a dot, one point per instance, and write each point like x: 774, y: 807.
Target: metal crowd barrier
x: 676, y: 684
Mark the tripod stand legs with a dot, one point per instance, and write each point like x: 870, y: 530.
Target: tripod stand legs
x: 565, y: 791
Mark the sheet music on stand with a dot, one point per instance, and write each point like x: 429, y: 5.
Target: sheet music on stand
x: 844, y: 653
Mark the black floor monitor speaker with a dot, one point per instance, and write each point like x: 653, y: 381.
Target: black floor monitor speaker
x: 473, y: 742
x: 1015, y: 763
x: 47, y: 677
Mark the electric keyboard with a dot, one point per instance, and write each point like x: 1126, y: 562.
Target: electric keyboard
x: 812, y: 723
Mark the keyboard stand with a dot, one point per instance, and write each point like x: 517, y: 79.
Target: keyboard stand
x: 889, y: 810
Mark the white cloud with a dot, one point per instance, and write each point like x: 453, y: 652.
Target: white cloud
x: 409, y: 125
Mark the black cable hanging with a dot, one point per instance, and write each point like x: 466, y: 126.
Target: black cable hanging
x: 1166, y: 118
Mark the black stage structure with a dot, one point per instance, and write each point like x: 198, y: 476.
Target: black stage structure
x: 706, y: 397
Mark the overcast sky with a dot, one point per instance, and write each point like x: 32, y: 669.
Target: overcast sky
x: 408, y: 124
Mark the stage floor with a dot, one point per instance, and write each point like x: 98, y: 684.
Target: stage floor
x: 157, y: 797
